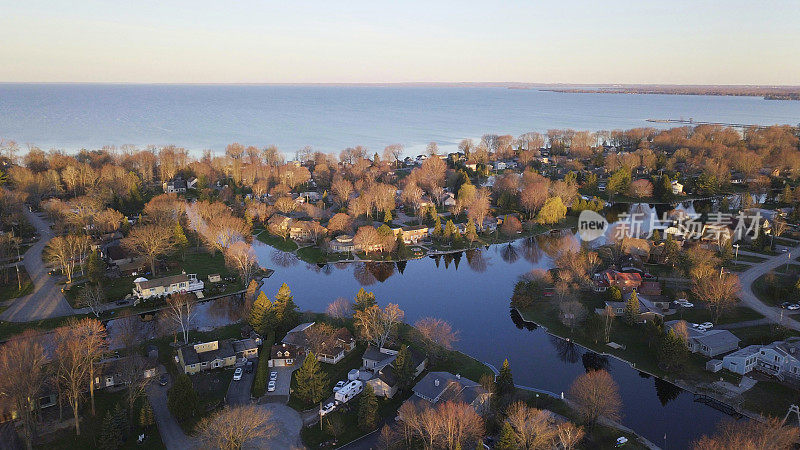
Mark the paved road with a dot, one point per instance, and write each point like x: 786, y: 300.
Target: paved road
x: 747, y: 277
x: 239, y: 391
x: 171, y: 433
x: 46, y: 300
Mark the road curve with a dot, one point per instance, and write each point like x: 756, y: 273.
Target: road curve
x: 746, y: 279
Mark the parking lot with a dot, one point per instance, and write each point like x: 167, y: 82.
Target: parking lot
x: 239, y: 391
x: 282, y: 384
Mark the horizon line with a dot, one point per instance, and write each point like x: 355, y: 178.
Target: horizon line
x: 519, y: 84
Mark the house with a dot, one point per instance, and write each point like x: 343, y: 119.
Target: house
x: 677, y: 188
x: 709, y: 343
x: 116, y: 255
x: 623, y: 281
x: 385, y: 384
x: 207, y: 355
x: 741, y: 361
x: 279, y: 225
x: 161, y: 287
x: 282, y: 355
x: 330, y: 351
x: 449, y: 199
x: 246, y: 348
x: 179, y: 185
x: 471, y: 165
x: 111, y: 372
x: 375, y: 358
x: 214, y: 278
x: 414, y: 234
x: 341, y: 244
x: 780, y: 359
x: 438, y: 387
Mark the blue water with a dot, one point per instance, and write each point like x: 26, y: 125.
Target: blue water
x: 473, y: 294
x: 74, y: 116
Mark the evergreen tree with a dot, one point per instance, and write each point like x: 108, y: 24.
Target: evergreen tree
x: 656, y: 236
x: 505, y: 381
x: 404, y: 367
x: 387, y: 216
x: 146, y: 416
x: 311, y: 380
x: 471, y: 233
x: 260, y: 314
x: 181, y: 241
x: 284, y: 306
x: 121, y: 419
x: 632, y: 308
x: 182, y: 399
x: 786, y: 196
x: 95, y: 267
x: 450, y: 231
x: 368, y: 409
x: 110, y: 433
x: 619, y: 182
x: 672, y: 351
x: 614, y: 294
x: 437, y: 225
x: 364, y: 300
x: 400, y: 245
x: 507, y: 439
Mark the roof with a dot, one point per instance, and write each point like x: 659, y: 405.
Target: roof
x: 373, y: 353
x: 166, y: 281
x: 387, y: 376
x: 434, y: 385
x: 716, y: 338
x: 116, y: 252
x: 191, y: 356
x: 744, y: 352
x: 294, y: 351
x: 244, y: 345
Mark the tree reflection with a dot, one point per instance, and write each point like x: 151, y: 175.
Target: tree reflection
x: 666, y: 391
x: 448, y: 258
x: 381, y: 271
x: 531, y: 250
x: 595, y: 361
x: 283, y: 259
x: 456, y: 259
x: 509, y: 253
x: 519, y: 322
x: 436, y: 259
x: 363, y: 275
x: 401, y: 266
x: 566, y: 350
x: 476, y: 260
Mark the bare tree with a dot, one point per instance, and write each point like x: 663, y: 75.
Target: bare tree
x: 242, y: 258
x: 596, y: 394
x: 181, y: 309
x: 22, y: 363
x: 65, y: 252
x: 569, y: 435
x: 340, y: 308
x: 133, y: 375
x: 437, y: 331
x: 367, y: 239
x: 150, y: 241
x: 608, y: 322
x: 377, y: 325
x: 718, y: 292
x: 533, y: 428
x: 459, y: 424
x: 92, y: 297
x: 234, y: 427
x: 319, y: 337
x: 768, y: 435
x: 71, y: 369
x: 92, y: 336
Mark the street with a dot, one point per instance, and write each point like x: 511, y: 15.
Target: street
x: 746, y: 279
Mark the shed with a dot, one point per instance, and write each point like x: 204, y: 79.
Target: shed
x: 714, y: 365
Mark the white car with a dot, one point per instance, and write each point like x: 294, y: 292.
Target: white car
x: 237, y: 374
x: 793, y: 307
x: 707, y: 325
x: 326, y: 409
x: 273, y: 376
x: 696, y: 325
x: 271, y: 386
x: 338, y: 386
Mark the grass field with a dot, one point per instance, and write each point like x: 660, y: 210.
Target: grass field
x: 286, y: 245
x: 11, y: 289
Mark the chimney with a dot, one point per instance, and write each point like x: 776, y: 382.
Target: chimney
x: 436, y: 382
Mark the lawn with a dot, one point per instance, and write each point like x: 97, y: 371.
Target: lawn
x: 286, y: 245
x: 775, y: 288
x: 11, y: 289
x: 91, y: 427
x: 770, y: 397
x: 762, y: 334
x: 698, y: 314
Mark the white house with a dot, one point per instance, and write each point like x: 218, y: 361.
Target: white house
x: 780, y: 359
x: 677, y: 188
x: 742, y: 361
x: 161, y: 287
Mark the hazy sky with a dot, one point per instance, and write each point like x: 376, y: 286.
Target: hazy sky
x: 243, y: 41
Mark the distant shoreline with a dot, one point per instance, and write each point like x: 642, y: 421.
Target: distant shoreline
x: 768, y: 93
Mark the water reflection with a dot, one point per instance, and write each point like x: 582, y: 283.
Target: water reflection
x: 595, y: 361
x: 519, y: 322
x: 283, y: 259
x: 509, y: 253
x: 363, y: 275
x: 666, y: 391
x: 531, y: 250
x: 476, y: 259
x: 566, y: 350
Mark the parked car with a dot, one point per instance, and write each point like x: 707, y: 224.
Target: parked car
x: 338, y: 386
x: 273, y: 376
x: 326, y: 409
x: 785, y: 305
x: 793, y: 307
x: 249, y: 367
x: 707, y: 325
x: 163, y: 380
x: 271, y: 386
x: 123, y: 301
x: 237, y: 374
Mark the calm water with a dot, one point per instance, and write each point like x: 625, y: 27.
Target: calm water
x: 473, y: 295
x: 74, y: 116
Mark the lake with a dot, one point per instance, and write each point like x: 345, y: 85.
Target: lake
x: 331, y: 118
x: 472, y: 292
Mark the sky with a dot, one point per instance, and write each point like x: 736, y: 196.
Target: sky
x: 310, y: 41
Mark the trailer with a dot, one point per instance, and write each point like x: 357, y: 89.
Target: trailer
x: 348, y: 391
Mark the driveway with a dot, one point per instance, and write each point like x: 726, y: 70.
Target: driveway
x: 239, y: 391
x: 283, y: 384
x: 46, y: 300
x: 171, y: 433
x: 288, y: 425
x: 747, y: 296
